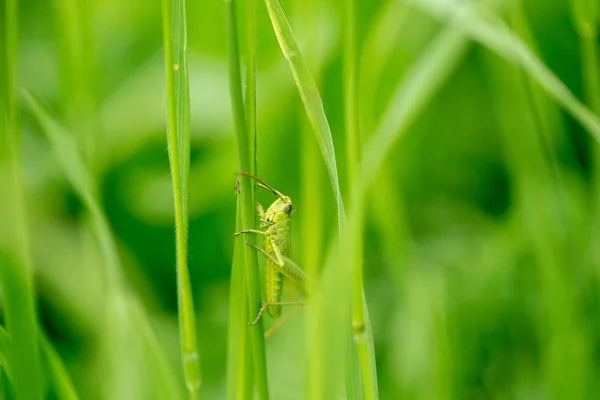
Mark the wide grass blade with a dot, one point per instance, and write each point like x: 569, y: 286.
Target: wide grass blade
x: 178, y: 135
x: 246, y: 150
x: 492, y: 32
x: 21, y: 326
x: 239, y: 371
x: 312, y: 217
x: 16, y: 275
x: 309, y: 94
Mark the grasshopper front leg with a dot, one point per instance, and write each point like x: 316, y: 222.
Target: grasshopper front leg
x: 250, y: 231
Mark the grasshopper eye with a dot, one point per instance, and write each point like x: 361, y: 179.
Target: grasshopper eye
x: 287, y: 209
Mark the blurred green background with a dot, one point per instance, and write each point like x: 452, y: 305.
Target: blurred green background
x: 481, y: 251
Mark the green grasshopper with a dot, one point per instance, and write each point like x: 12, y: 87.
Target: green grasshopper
x: 276, y: 249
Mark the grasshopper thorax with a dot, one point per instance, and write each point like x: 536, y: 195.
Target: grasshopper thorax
x: 279, y: 211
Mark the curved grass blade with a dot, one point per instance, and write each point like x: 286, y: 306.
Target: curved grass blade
x: 493, y: 33
x: 309, y: 95
x: 174, y: 31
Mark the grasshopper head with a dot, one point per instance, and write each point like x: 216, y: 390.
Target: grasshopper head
x: 280, y: 210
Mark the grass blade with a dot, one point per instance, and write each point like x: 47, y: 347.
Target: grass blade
x: 174, y: 30
x: 309, y: 95
x: 59, y: 376
x: 250, y: 94
x: 6, y: 389
x: 493, y: 33
x: 362, y: 374
x: 21, y: 326
x: 378, y: 47
x: 77, y: 78
x: 16, y: 273
x: 312, y: 217
x: 239, y: 373
x: 245, y: 150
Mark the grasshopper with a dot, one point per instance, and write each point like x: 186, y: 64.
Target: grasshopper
x: 276, y: 249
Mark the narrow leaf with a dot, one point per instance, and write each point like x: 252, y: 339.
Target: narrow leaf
x: 309, y: 94
x: 178, y: 138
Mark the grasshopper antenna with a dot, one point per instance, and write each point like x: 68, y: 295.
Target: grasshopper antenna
x: 262, y: 184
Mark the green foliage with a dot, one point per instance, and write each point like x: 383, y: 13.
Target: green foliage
x: 461, y: 137
x: 178, y: 139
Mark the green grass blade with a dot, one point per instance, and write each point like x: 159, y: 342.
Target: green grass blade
x: 379, y: 44
x: 21, y: 325
x: 312, y: 236
x: 77, y: 78
x: 362, y: 372
x: 5, y: 352
x: 309, y: 95
x: 154, y: 354
x: 350, y: 90
x: 59, y: 376
x: 494, y: 34
x: 250, y: 93
x: 16, y: 275
x: 6, y: 388
x: 245, y: 148
x: 239, y: 375
x: 178, y: 135
x: 312, y: 217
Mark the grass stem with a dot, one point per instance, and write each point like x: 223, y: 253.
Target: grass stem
x: 244, y: 123
x: 365, y: 356
x: 174, y: 30
x: 17, y: 276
